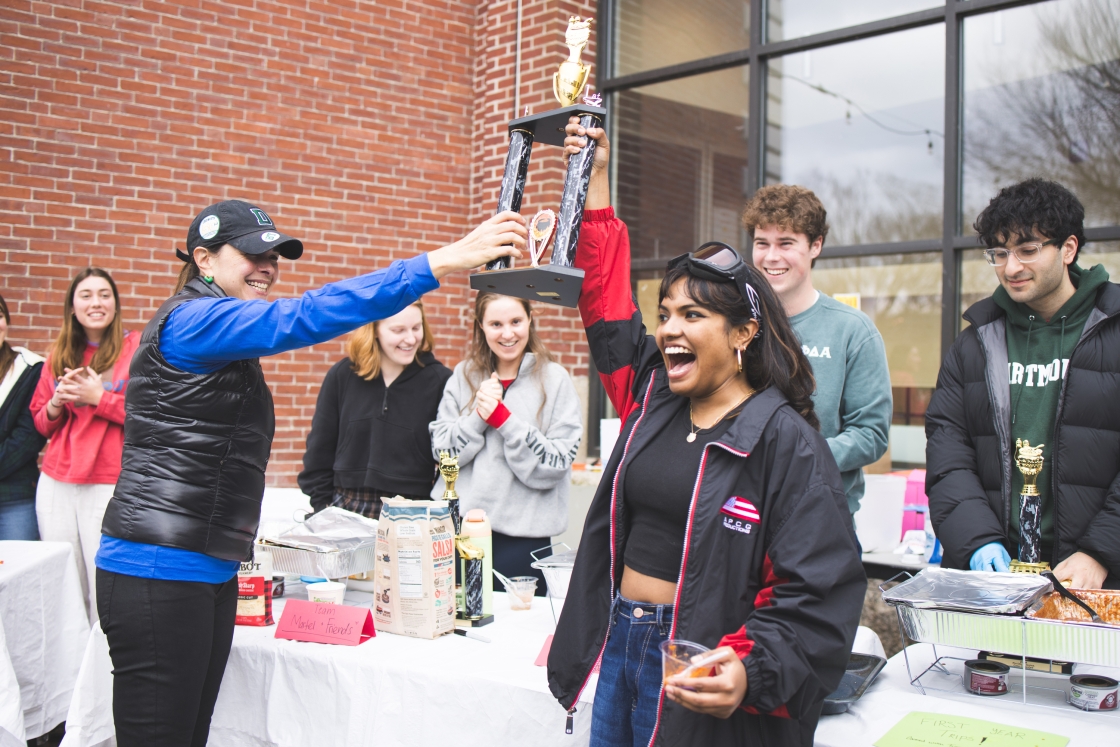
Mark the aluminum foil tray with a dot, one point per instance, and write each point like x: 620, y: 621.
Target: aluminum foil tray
x: 337, y: 564
x: 969, y: 591
x: 1020, y: 636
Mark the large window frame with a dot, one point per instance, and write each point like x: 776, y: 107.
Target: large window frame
x: 953, y: 242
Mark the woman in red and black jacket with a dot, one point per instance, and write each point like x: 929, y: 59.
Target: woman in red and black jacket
x: 721, y: 516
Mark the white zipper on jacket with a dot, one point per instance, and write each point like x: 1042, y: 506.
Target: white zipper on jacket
x: 569, y: 722
x: 684, y: 560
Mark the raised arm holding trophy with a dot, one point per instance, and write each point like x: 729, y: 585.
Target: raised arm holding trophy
x: 558, y: 281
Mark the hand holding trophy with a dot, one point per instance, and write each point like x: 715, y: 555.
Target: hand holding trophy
x: 557, y: 281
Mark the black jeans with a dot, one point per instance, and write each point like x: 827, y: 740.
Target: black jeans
x: 169, y: 641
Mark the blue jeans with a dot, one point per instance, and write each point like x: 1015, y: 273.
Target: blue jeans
x: 18, y: 522
x: 629, y: 689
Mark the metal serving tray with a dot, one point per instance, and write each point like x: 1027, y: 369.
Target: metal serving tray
x: 338, y: 564
x: 861, y: 671
x: 1042, y: 639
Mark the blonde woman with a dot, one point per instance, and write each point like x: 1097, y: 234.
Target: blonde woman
x: 369, y: 436
x: 513, y: 417
x: 79, y: 405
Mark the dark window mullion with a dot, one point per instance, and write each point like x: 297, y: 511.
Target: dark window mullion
x: 951, y: 194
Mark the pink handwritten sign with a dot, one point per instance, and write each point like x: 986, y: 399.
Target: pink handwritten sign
x: 318, y: 622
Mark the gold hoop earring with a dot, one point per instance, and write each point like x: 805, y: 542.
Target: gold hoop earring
x: 739, y: 358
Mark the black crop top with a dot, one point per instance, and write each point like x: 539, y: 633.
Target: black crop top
x: 658, y: 490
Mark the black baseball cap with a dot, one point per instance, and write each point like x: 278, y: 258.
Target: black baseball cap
x: 245, y: 227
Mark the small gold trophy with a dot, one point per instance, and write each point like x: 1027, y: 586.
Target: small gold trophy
x: 569, y: 80
x: 469, y: 608
x: 1029, y: 461
x: 449, y: 469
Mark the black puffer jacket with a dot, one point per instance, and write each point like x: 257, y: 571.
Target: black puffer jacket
x: 195, y: 450
x: 785, y: 592
x: 969, y: 470
x: 368, y: 435
x: 20, y: 443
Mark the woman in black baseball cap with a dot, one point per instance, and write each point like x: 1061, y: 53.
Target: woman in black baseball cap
x: 198, y: 431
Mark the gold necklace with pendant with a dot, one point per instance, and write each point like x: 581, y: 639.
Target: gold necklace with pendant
x: 693, y: 430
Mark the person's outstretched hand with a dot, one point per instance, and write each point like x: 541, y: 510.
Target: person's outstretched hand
x: 502, y: 235
x: 991, y: 557
x: 598, y: 191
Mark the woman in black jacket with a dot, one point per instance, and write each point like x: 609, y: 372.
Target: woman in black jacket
x: 369, y: 436
x: 19, y: 441
x: 721, y: 517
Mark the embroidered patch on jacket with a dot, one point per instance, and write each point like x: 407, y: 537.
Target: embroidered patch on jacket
x: 739, y: 514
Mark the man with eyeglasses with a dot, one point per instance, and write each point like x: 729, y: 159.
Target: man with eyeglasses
x: 1040, y: 362
x: 788, y: 225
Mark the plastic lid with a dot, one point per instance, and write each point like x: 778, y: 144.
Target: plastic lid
x: 476, y: 514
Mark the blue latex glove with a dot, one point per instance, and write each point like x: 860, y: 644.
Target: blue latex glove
x: 991, y: 557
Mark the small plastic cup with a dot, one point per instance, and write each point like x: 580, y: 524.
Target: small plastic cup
x: 326, y: 592
x: 676, y: 656
x: 521, y: 590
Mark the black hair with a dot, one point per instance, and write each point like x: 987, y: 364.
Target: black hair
x: 774, y: 358
x: 1036, y: 204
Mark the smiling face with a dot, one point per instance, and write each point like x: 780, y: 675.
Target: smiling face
x: 784, y: 258
x: 400, y: 336
x: 1035, y: 282
x: 246, y: 276
x: 697, y: 344
x: 506, y: 326
x: 94, y: 306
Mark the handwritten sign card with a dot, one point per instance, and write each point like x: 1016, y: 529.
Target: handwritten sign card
x: 318, y: 622
x: 937, y: 729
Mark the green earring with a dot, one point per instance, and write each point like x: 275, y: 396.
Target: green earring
x: 208, y: 278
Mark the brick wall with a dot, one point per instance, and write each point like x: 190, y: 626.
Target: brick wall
x: 371, y: 130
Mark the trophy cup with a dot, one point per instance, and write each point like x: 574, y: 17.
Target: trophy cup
x: 1029, y: 460
x: 469, y: 612
x: 557, y: 282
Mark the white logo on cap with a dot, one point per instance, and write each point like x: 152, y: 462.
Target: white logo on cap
x: 269, y: 236
x: 208, y: 229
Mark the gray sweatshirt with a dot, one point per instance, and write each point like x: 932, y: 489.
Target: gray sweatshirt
x: 519, y: 473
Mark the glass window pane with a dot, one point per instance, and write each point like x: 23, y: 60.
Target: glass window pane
x: 978, y: 278
x: 681, y: 158
x: 658, y: 33
x: 790, y: 19
x: 861, y: 125
x: 902, y: 295
x: 1042, y: 98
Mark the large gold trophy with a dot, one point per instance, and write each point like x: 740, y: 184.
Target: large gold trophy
x: 557, y: 281
x: 1029, y: 461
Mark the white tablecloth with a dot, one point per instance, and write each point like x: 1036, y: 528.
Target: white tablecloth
x: 891, y: 697
x: 390, y: 690
x: 44, y: 630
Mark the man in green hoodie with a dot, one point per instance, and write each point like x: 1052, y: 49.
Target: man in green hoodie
x: 1046, y: 379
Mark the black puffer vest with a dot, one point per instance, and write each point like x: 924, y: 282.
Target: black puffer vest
x: 195, y: 450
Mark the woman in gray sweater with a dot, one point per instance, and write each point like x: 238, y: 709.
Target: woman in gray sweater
x: 512, y: 416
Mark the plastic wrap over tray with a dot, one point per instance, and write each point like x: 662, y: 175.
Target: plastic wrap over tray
x: 1018, y: 636
x: 333, y: 543
x: 969, y: 591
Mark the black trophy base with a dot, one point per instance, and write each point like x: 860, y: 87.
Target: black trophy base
x: 549, y: 283
x: 465, y: 622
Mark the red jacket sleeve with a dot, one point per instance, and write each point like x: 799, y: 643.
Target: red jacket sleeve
x: 622, y: 350
x: 44, y: 390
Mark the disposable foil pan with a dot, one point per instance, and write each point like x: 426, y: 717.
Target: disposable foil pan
x: 338, y: 564
x: 969, y: 591
x: 1019, y: 636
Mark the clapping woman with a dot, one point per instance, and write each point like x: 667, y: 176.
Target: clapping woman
x: 369, y: 437
x: 512, y: 416
x: 198, y: 433
x: 79, y: 405
x: 721, y: 516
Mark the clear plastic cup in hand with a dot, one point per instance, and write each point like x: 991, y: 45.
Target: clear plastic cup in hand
x: 521, y: 590
x: 677, y: 655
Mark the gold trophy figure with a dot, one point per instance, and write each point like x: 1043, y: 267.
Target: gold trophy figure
x: 469, y: 607
x: 569, y: 80
x: 1029, y: 461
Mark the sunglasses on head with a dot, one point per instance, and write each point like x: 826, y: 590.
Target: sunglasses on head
x: 720, y: 263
